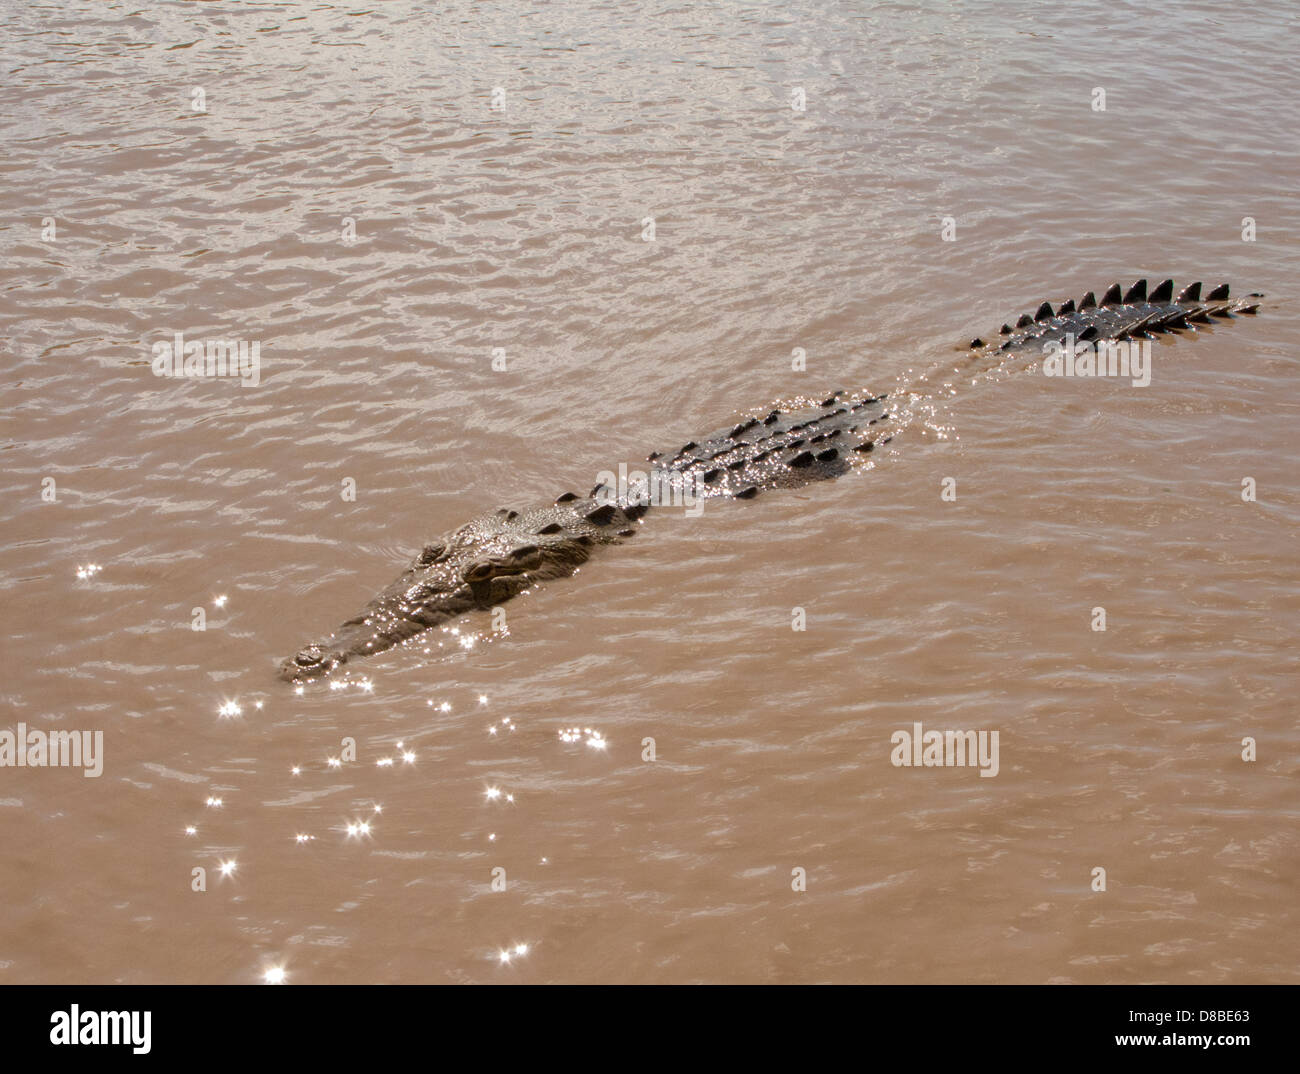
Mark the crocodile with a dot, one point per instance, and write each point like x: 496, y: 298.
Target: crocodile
x: 500, y: 555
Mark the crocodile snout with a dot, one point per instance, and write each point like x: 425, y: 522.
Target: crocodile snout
x: 309, y: 663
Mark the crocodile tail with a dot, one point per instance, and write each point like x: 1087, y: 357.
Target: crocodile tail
x: 1120, y: 314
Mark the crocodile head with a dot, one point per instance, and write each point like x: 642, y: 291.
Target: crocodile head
x: 481, y: 565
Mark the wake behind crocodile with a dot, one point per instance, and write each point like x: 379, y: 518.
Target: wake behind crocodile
x: 505, y: 553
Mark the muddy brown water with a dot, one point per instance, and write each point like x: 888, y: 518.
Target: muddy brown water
x: 498, y: 165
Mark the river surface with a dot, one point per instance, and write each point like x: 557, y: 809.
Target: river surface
x: 486, y: 251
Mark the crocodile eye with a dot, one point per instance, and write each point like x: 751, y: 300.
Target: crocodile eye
x: 478, y: 571
x: 309, y: 657
x: 430, y: 553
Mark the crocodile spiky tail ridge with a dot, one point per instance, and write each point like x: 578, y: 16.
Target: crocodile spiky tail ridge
x: 1120, y: 315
